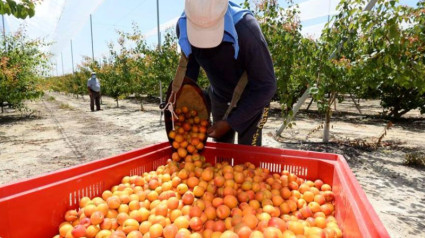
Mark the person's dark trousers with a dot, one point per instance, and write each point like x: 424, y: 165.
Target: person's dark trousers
x: 251, y: 136
x: 95, y: 98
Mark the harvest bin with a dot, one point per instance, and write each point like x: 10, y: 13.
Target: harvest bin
x: 35, y: 207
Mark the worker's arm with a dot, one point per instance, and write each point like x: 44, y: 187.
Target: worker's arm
x: 261, y: 79
x: 88, y: 87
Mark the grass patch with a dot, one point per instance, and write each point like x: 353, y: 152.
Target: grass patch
x: 65, y: 106
x: 51, y: 98
x: 415, y: 159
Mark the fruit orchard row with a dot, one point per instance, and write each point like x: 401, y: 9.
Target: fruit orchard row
x: 374, y: 54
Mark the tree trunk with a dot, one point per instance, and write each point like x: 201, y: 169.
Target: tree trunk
x: 397, y: 114
x: 2, y: 107
x: 117, y: 102
x: 326, y: 130
x: 289, y: 118
x: 141, y: 106
x: 328, y: 115
x: 355, y: 103
x: 394, y: 112
x: 309, y: 104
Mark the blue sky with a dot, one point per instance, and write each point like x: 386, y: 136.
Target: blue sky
x: 61, y: 21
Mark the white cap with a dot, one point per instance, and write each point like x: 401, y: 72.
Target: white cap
x: 205, y: 22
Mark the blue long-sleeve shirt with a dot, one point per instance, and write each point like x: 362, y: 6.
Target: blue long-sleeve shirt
x: 224, y: 72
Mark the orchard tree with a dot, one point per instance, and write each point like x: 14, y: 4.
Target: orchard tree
x: 161, y: 64
x: 294, y: 56
x: 137, y: 62
x: 370, y: 51
x: 115, y: 73
x: 337, y: 49
x: 79, y: 79
x: 289, y: 49
x: 391, y: 57
x: 22, y: 65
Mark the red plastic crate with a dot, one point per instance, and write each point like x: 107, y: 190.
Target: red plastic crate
x: 35, y: 207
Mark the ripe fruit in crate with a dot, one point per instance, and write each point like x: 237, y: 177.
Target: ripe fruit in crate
x: 64, y: 228
x: 192, y: 198
x: 104, y: 234
x: 78, y: 231
x: 96, y: 218
x: 92, y: 231
x: 118, y: 234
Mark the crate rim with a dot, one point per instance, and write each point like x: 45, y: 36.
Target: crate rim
x: 210, y: 145
x: 341, y: 166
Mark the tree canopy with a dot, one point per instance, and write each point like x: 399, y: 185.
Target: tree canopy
x: 20, y: 9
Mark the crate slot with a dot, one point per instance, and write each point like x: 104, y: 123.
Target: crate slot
x: 138, y: 170
x: 99, y: 188
x: 231, y: 161
x: 159, y: 162
x: 272, y: 167
x: 297, y: 170
x: 90, y: 191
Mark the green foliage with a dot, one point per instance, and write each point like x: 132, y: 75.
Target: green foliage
x: 69, y: 83
x: 115, y: 76
x: 161, y: 64
x: 414, y: 159
x: 400, y: 100
x: 21, y: 67
x: 387, y: 57
x: 20, y: 9
x: 374, y: 54
x: 377, y: 53
x: 291, y: 52
x: 131, y: 68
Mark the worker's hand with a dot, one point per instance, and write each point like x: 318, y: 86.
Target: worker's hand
x: 219, y: 129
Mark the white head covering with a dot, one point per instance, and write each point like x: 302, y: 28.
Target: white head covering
x: 205, y: 22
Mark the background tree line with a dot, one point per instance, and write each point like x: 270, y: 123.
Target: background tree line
x: 376, y: 54
x: 130, y: 68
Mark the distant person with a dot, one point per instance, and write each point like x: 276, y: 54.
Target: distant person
x: 93, y: 85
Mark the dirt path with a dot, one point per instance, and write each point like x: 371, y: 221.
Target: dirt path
x: 63, y: 132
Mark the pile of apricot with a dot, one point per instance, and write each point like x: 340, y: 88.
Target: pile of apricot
x: 189, y: 133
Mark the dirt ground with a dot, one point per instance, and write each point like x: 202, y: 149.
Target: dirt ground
x: 62, y: 132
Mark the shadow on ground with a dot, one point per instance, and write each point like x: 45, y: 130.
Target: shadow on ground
x: 14, y: 118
